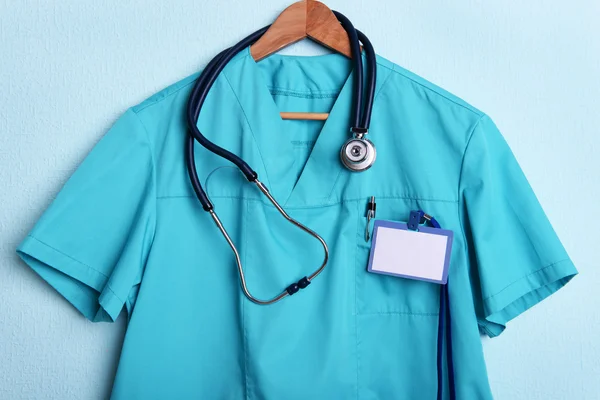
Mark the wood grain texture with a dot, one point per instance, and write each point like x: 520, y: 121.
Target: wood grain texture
x: 313, y: 116
x: 288, y: 28
x: 323, y: 27
x: 303, y: 19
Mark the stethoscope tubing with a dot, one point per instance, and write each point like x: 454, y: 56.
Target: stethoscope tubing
x: 365, y: 121
x: 356, y: 65
x: 216, y: 66
x: 199, y: 94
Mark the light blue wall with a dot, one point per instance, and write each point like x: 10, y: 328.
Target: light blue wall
x: 69, y: 68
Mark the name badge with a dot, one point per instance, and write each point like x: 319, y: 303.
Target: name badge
x: 422, y: 254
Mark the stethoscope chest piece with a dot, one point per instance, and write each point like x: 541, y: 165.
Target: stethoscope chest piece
x: 358, y: 154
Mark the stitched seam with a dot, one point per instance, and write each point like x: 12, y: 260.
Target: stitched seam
x: 416, y: 314
x: 84, y: 290
x: 464, y: 155
x: 384, y: 66
x: 78, y: 283
x: 183, y: 86
x: 459, y: 208
x: 355, y: 273
x: 458, y: 203
x: 249, y: 127
x: 486, y: 327
x: 167, y: 96
x: 149, y: 142
x: 114, y: 294
x: 155, y: 216
x: 130, y: 305
x: 154, y: 174
x: 525, y: 277
x: 182, y: 196
x: 381, y: 88
x: 243, y: 299
x: 374, y: 100
x: 68, y: 256
x: 326, y: 94
x: 337, y: 178
x: 316, y: 205
x: 435, y: 91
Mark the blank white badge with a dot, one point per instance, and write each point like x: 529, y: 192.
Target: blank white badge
x: 422, y: 254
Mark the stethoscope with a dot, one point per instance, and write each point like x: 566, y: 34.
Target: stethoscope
x: 357, y: 154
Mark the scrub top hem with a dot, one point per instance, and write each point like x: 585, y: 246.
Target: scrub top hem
x: 525, y: 293
x: 83, y: 286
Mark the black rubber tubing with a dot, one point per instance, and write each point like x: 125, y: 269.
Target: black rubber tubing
x: 216, y: 66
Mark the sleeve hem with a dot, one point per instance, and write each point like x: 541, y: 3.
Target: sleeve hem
x: 523, y: 294
x: 83, y: 286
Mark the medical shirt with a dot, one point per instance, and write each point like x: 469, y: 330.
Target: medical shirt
x: 127, y: 232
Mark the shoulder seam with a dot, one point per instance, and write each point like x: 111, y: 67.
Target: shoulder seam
x: 156, y: 101
x: 464, y: 154
x: 246, y: 119
x: 478, y: 113
x: 146, y: 135
x: 136, y: 109
x: 387, y: 78
x: 154, y: 177
x: 183, y: 86
x: 384, y: 66
x: 458, y: 197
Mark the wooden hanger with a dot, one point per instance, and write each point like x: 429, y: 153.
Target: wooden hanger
x: 303, y: 19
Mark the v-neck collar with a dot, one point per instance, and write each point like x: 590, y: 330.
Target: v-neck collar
x: 314, y: 75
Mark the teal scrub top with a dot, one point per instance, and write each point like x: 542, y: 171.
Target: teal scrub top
x: 127, y: 232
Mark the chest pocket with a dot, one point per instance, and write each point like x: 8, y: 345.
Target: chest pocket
x: 384, y: 294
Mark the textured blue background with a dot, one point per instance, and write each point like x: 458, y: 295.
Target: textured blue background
x: 69, y: 68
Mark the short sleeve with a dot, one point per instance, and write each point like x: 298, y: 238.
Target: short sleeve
x: 516, y: 258
x: 92, y: 242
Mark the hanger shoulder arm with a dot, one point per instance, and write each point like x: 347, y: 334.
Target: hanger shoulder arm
x: 288, y: 28
x: 323, y: 27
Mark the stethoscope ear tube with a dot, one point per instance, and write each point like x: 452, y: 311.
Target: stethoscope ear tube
x: 371, y: 81
x: 200, y: 92
x: 195, y: 102
x: 359, y: 153
x: 189, y: 143
x: 357, y: 66
x: 193, y: 174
